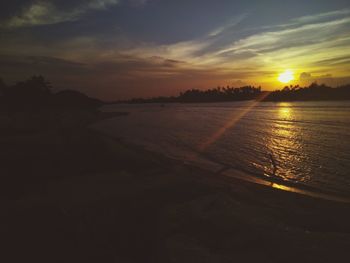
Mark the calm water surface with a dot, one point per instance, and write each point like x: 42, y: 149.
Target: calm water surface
x: 309, y: 141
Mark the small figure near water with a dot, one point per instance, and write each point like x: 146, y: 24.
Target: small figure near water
x: 273, y: 164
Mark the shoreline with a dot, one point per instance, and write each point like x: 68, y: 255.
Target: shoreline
x: 233, y: 173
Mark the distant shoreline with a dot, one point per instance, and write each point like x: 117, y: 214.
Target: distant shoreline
x: 221, y: 101
x: 214, y: 102
x: 314, y: 92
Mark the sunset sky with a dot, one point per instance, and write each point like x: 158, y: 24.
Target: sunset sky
x: 117, y: 49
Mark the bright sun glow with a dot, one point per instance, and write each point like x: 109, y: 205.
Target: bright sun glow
x: 286, y: 76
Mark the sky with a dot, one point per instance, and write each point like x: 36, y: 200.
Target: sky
x: 119, y: 49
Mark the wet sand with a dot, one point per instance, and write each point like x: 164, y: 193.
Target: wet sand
x: 80, y: 196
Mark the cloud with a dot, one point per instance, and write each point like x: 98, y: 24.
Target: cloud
x: 229, y: 26
x: 319, y: 17
x: 319, y: 44
x: 49, y: 12
x: 286, y: 38
x: 39, y: 64
x: 337, y: 60
x: 305, y: 76
x: 314, y: 41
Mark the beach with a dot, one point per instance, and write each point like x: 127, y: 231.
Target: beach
x: 305, y: 144
x: 109, y: 201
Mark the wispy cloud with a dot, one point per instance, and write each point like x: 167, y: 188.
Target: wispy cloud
x: 229, y: 26
x: 286, y: 38
x: 320, y: 17
x: 318, y: 45
x: 47, y: 12
x: 303, y: 42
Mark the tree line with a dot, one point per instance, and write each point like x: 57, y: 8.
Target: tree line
x: 219, y: 94
x: 313, y: 92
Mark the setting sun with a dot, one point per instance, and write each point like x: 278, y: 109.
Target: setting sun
x: 286, y: 76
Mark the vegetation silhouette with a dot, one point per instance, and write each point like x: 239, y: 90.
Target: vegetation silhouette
x: 219, y: 94
x: 313, y: 92
x: 35, y: 94
x: 31, y: 106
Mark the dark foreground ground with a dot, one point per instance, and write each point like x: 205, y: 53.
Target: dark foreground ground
x: 72, y: 195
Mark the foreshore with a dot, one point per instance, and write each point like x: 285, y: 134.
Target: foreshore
x: 108, y: 201
x: 226, y: 173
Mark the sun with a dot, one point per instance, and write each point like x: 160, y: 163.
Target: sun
x: 286, y: 76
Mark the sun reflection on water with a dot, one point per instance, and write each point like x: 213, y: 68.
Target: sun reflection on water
x: 285, y: 111
x: 285, y: 145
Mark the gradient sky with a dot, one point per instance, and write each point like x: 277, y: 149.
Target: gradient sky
x: 117, y: 49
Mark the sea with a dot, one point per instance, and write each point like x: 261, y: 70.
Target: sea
x: 306, y: 144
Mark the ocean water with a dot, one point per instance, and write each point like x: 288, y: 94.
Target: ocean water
x: 309, y: 142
